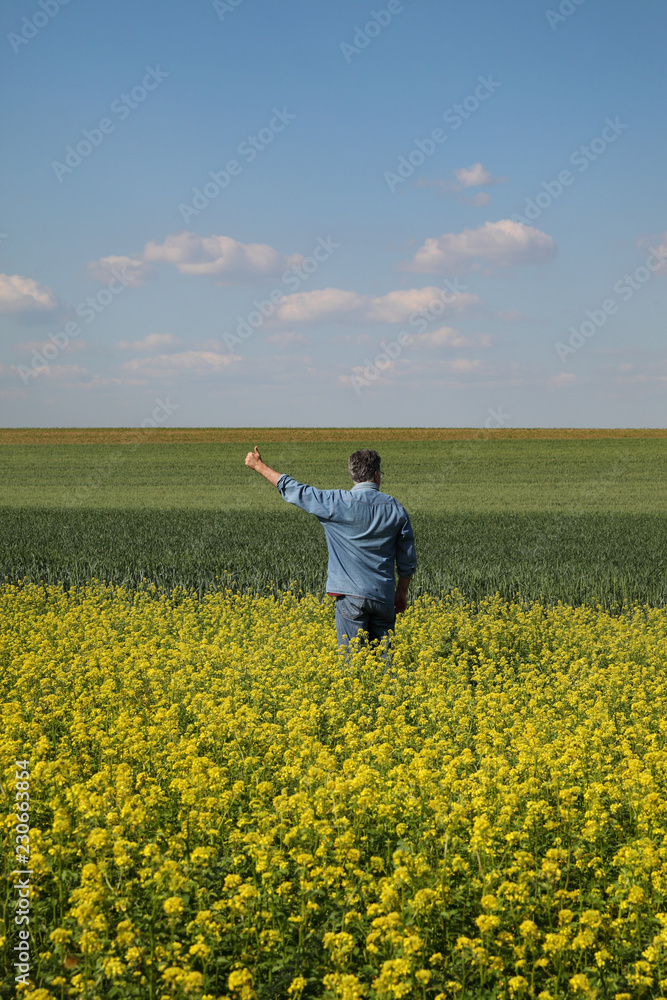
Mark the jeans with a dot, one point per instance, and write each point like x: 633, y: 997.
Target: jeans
x: 355, y: 613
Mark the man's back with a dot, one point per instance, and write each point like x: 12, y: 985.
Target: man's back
x: 366, y: 532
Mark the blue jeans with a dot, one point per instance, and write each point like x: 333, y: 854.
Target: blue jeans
x: 355, y: 613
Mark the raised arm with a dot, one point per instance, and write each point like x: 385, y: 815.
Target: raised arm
x: 254, y: 461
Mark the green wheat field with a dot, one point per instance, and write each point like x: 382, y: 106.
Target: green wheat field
x: 573, y: 516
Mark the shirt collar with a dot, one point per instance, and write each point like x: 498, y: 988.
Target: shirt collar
x: 366, y: 486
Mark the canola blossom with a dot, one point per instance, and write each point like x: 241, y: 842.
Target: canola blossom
x: 226, y: 805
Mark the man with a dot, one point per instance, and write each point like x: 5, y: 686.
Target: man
x: 366, y: 532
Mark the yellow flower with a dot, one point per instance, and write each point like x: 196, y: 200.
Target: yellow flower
x: 113, y: 967
x: 580, y: 984
x: 345, y: 986
x: 592, y: 918
x: 60, y: 936
x: 517, y: 985
x: 340, y: 945
x: 487, y: 923
x: 173, y: 906
x: 193, y: 981
x: 200, y: 855
x: 241, y: 982
x: 200, y: 950
x: 173, y: 975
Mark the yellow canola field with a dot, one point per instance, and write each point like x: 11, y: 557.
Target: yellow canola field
x: 225, y: 805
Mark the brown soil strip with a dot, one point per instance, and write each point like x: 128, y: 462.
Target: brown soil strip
x: 252, y: 435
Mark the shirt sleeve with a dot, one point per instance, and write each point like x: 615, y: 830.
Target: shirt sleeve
x: 406, y: 554
x: 317, y: 502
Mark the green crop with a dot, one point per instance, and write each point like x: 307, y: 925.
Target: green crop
x: 581, y: 521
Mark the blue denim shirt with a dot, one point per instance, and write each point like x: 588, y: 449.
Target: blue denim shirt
x: 366, y: 532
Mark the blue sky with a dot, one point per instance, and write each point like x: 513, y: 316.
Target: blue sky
x: 425, y: 213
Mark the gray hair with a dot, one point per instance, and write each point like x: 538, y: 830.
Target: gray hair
x: 363, y: 465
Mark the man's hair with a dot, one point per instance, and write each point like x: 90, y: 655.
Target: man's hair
x: 363, y: 465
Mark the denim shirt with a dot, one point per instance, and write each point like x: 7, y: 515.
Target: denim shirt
x: 366, y: 532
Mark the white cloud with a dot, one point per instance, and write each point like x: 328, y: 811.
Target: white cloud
x: 102, y: 381
x: 562, y: 380
x: 461, y: 371
x: 408, y: 369
x: 335, y: 305
x: 132, y: 270
x: 190, y: 362
x: 465, y: 177
x: 500, y: 244
x: 148, y: 343
x: 19, y: 295
x: 446, y: 336
x: 397, y: 307
x: 321, y: 305
x: 475, y: 176
x: 220, y: 256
